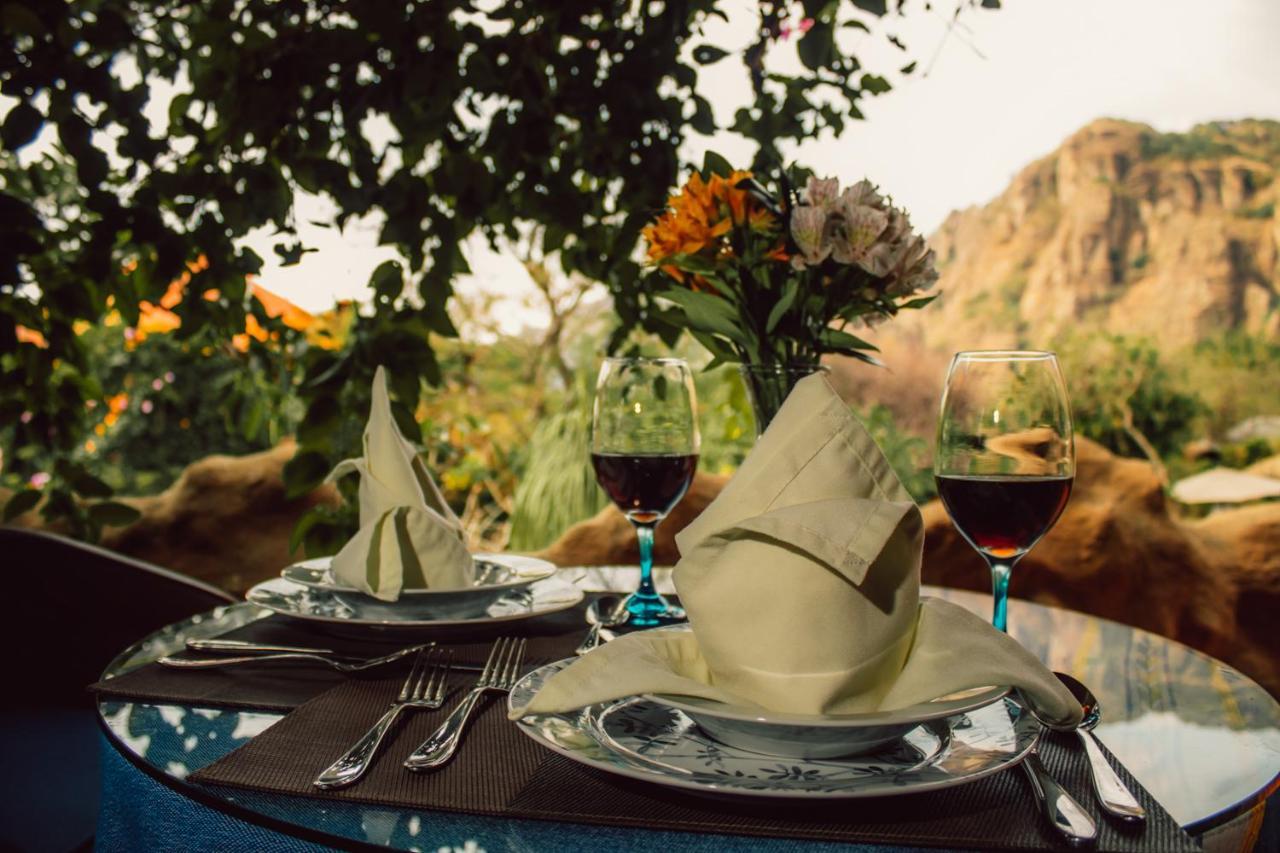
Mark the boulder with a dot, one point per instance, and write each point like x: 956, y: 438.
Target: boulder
x: 607, y: 538
x: 1269, y: 467
x: 1247, y: 543
x: 226, y: 520
x: 1117, y: 552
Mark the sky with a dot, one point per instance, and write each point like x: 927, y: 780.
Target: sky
x: 991, y: 94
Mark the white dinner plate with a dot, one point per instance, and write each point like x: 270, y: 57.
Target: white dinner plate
x: 494, y: 576
x: 300, y: 602
x: 640, y: 739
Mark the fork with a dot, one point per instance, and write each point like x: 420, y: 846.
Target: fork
x: 423, y: 690
x: 286, y: 653
x: 499, y: 674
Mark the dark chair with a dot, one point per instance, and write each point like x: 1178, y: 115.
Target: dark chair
x: 70, y: 608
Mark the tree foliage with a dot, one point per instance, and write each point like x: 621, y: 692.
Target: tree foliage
x: 448, y: 118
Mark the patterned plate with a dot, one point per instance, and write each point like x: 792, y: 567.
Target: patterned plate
x: 291, y: 599
x: 639, y: 739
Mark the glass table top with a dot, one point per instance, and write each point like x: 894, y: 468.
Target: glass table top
x: 1200, y: 736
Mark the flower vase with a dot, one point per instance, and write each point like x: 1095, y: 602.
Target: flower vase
x: 768, y: 386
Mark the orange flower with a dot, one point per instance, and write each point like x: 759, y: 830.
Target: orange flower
x: 779, y: 253
x: 277, y: 306
x: 31, y: 336
x: 702, y: 214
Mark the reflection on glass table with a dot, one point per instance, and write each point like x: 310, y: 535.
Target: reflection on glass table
x: 1201, y: 737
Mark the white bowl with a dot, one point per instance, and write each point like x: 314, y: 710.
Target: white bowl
x: 811, y: 736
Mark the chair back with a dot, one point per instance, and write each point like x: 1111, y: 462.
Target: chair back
x: 69, y: 608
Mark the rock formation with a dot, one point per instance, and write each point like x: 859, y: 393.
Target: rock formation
x: 1123, y: 228
x: 226, y: 520
x: 607, y: 538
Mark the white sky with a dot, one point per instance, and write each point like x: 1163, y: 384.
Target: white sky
x: 1006, y: 87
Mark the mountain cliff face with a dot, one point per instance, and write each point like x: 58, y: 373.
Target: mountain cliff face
x: 1123, y: 228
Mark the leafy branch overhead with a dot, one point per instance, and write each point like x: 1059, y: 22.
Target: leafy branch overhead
x: 182, y: 127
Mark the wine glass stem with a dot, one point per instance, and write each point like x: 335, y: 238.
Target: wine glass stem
x: 1000, y: 593
x: 644, y: 533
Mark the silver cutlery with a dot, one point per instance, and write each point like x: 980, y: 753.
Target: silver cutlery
x: 1115, y: 799
x: 500, y: 674
x: 600, y: 620
x: 423, y: 689
x: 269, y: 654
x: 1062, y: 810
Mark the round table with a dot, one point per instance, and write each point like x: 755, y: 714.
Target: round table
x: 1200, y: 736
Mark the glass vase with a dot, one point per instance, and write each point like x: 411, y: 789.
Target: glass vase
x: 768, y: 386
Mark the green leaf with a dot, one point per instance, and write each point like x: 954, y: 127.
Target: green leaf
x: 878, y: 8
x: 305, y: 471
x: 919, y: 303
x: 783, y: 305
x: 720, y: 354
x: 874, y: 84
x: 838, y: 340
x: 703, y: 119
x: 818, y: 47
x: 706, y: 313
x: 20, y: 503
x: 113, y: 514
x: 714, y: 164
x: 21, y: 125
x: 300, y: 530
x: 321, y: 419
x: 90, y: 486
x: 708, y: 54
x: 387, y: 280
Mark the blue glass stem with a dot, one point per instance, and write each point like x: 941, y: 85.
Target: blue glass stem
x: 648, y: 609
x: 1000, y: 572
x: 644, y: 533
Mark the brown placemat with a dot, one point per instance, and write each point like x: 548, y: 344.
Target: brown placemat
x: 283, y: 687
x: 501, y: 772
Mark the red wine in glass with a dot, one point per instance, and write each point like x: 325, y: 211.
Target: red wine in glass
x: 645, y: 486
x: 1003, y: 516
x: 1005, y: 458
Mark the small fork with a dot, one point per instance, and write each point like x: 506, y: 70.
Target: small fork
x: 500, y: 673
x: 423, y: 690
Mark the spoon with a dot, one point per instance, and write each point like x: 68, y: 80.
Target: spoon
x: 607, y: 611
x: 1115, y: 799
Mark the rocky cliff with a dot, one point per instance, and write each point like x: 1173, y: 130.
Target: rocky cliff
x: 1122, y: 228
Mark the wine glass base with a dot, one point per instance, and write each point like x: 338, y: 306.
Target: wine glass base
x: 652, y: 611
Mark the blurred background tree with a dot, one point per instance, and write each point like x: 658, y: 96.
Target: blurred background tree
x: 183, y: 127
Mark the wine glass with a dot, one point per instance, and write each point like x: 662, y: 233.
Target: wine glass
x: 1005, y: 459
x: 644, y: 448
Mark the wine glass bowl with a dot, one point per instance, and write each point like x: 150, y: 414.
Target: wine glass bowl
x: 644, y: 449
x: 1005, y: 457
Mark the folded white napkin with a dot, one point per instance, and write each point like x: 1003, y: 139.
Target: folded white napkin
x: 802, y: 585
x: 408, y: 537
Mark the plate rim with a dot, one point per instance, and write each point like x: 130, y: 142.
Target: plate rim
x: 546, y: 568
x: 644, y: 773
x: 569, y: 603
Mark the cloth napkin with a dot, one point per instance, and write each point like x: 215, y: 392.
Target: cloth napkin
x: 802, y: 586
x: 408, y: 537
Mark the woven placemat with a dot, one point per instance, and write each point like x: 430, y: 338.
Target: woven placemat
x: 501, y: 772
x: 283, y: 687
